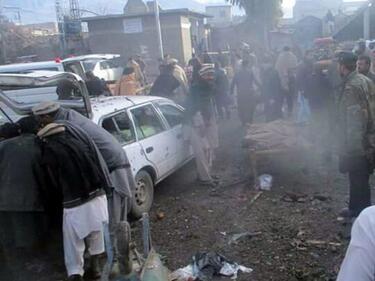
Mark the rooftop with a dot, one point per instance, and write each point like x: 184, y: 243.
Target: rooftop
x: 184, y: 12
x: 102, y: 106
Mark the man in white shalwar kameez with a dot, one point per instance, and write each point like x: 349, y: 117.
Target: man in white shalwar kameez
x: 73, y: 170
x: 194, y: 134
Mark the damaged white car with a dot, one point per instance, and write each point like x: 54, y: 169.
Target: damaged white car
x: 149, y: 128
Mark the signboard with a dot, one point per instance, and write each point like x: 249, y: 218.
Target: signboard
x: 73, y: 27
x: 133, y: 26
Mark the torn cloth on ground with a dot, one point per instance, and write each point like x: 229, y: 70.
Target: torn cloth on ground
x: 207, y: 265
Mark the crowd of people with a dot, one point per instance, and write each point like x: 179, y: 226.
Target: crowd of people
x: 65, y: 147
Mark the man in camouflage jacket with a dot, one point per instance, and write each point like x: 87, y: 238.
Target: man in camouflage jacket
x: 356, y: 133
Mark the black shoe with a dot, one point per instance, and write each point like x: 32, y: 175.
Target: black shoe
x: 75, y: 277
x: 346, y: 213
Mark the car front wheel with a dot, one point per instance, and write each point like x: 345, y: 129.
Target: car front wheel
x: 143, y: 195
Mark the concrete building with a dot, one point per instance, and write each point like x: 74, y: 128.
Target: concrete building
x: 316, y: 8
x: 134, y: 32
x: 359, y: 26
x: 221, y: 15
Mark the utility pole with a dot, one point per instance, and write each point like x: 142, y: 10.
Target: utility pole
x: 3, y: 57
x: 158, y: 28
x: 60, y: 24
x: 74, y: 10
x: 367, y: 22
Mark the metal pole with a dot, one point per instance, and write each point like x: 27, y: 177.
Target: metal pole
x: 158, y: 28
x: 367, y: 23
x: 3, y: 55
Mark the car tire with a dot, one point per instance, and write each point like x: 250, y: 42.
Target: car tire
x: 143, y: 195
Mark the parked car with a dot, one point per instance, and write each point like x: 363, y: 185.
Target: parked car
x: 104, y: 66
x: 149, y: 128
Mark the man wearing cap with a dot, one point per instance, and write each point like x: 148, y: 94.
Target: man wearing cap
x: 355, y: 132
x: 364, y: 67
x: 180, y: 75
x: 73, y: 170
x: 113, y: 154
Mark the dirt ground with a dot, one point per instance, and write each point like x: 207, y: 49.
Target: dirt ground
x: 298, y: 236
x: 295, y: 240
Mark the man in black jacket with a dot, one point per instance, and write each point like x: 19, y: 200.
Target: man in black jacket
x: 74, y: 172
x: 116, y: 160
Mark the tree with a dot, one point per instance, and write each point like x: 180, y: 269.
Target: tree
x: 262, y: 15
x: 261, y: 11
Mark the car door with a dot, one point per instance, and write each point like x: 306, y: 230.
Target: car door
x: 174, y: 115
x: 122, y: 128
x: 153, y: 136
x: 75, y: 67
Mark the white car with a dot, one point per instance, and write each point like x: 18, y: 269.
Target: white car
x: 149, y: 128
x: 104, y: 66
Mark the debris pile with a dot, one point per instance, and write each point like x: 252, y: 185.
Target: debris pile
x: 277, y: 135
x: 205, y: 266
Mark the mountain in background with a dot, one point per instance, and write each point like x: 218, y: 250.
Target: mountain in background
x: 37, y: 11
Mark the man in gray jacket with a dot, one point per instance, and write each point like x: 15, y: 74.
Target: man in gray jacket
x: 114, y: 156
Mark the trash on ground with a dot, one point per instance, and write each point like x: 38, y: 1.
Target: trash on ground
x: 322, y: 197
x: 239, y: 236
x: 160, y: 216
x: 303, y: 245
x: 183, y: 274
x: 206, y: 265
x: 255, y: 198
x: 154, y: 269
x: 295, y: 197
x: 265, y: 182
x: 231, y: 270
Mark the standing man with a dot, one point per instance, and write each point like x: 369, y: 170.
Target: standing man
x: 364, y: 67
x: 245, y: 82
x: 202, y: 91
x: 95, y: 86
x: 137, y: 69
x: 73, y: 171
x: 114, y: 156
x: 200, y: 123
x: 355, y: 133
x: 221, y: 91
x: 166, y: 83
x: 286, y: 65
x: 180, y: 74
x: 141, y: 64
x: 128, y: 84
x: 271, y: 91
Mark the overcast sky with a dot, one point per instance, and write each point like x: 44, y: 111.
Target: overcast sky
x: 287, y: 4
